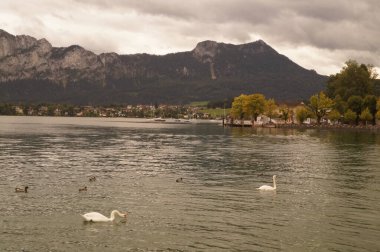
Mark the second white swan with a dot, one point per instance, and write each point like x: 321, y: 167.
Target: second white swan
x: 267, y: 187
x: 98, y: 217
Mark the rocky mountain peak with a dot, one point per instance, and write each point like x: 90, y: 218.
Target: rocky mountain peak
x: 5, y: 34
x: 258, y: 46
x: 33, y: 70
x: 43, y: 47
x: 11, y: 45
x: 75, y: 57
x: 206, y: 49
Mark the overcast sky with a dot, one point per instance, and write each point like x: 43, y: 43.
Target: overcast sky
x: 316, y: 34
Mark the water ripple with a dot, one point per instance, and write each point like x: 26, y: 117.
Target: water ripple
x: 327, y: 196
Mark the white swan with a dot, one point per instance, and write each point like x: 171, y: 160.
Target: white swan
x: 267, y: 187
x: 97, y: 217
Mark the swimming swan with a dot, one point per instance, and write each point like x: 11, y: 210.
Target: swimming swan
x: 25, y: 190
x: 97, y: 217
x: 269, y: 188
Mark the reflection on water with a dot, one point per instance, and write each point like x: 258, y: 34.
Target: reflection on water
x: 327, y: 197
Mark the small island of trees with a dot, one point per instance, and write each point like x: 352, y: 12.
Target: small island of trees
x: 351, y: 98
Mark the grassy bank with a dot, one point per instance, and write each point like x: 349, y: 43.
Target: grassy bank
x: 216, y: 113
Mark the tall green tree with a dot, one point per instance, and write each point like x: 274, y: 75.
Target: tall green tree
x: 254, y: 105
x: 319, y: 105
x: 353, y: 79
x: 237, y: 110
x: 270, y: 109
x: 378, y: 109
x: 369, y: 102
x: 355, y: 104
x: 302, y: 114
x: 366, y: 116
x: 284, y: 113
x: 340, y: 105
x: 334, y: 116
x: 350, y: 116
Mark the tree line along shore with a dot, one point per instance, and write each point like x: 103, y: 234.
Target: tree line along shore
x: 351, y: 99
x: 128, y: 111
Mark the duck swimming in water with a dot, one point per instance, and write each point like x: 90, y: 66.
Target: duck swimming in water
x: 84, y: 189
x: 25, y: 190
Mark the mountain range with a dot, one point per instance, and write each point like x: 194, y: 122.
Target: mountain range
x: 32, y: 70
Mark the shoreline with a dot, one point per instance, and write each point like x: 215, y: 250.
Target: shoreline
x: 308, y: 126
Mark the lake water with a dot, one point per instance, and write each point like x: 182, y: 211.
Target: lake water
x: 328, y: 195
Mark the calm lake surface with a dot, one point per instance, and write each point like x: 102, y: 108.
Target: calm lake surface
x: 328, y: 195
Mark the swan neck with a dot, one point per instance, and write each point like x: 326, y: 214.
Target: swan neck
x: 274, y: 182
x: 113, y: 213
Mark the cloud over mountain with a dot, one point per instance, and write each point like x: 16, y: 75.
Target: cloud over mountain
x: 338, y: 30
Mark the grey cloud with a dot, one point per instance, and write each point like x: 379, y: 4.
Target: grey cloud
x: 340, y: 26
x: 297, y: 21
x: 302, y: 22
